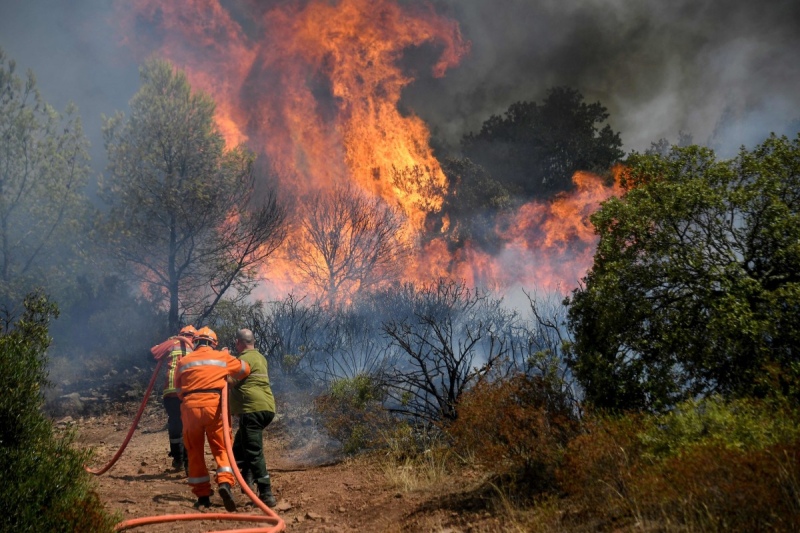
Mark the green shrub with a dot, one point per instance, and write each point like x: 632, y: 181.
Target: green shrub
x: 352, y: 412
x: 708, y: 466
x: 743, y: 424
x: 44, y: 485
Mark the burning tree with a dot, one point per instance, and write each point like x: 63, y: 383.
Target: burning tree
x: 535, y: 149
x: 471, y: 204
x: 184, y: 215
x: 348, y: 242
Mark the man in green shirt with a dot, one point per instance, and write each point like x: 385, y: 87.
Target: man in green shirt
x: 252, y: 401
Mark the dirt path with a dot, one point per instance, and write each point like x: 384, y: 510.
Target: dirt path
x: 315, y: 492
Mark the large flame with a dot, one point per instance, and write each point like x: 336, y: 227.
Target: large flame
x: 548, y: 245
x: 315, y: 86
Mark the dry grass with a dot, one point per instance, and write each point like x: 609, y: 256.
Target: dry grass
x: 409, y: 469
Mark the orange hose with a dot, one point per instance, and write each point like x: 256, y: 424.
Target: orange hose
x: 276, y: 522
x: 133, y: 426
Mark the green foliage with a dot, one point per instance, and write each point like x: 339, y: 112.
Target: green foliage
x: 517, y: 428
x: 534, y: 149
x: 739, y: 425
x: 43, y: 209
x: 352, y: 413
x: 45, y: 487
x: 695, y: 286
x: 709, y: 466
x: 359, y: 391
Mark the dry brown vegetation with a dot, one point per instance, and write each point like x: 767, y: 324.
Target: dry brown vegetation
x: 516, y: 460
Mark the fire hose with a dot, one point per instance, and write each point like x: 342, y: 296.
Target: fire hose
x: 276, y: 523
x: 133, y: 426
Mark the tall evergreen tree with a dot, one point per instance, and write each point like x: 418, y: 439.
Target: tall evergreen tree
x: 184, y: 216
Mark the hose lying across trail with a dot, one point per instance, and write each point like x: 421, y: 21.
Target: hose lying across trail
x: 136, y: 419
x: 275, y: 522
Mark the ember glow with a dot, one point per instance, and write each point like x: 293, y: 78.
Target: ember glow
x: 314, y: 86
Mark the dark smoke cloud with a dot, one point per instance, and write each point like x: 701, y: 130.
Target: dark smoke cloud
x: 725, y: 71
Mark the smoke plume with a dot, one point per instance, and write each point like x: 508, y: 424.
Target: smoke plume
x: 725, y: 72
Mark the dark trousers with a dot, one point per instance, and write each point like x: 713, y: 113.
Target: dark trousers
x: 248, y: 445
x: 172, y: 404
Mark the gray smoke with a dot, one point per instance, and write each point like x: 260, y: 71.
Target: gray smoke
x: 725, y: 71
x: 72, y: 49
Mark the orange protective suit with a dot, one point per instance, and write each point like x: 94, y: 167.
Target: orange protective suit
x: 200, y: 378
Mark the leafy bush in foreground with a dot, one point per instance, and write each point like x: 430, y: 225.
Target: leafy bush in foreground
x: 694, y: 287
x: 352, y: 413
x: 44, y: 486
x: 737, y: 425
x: 708, y: 466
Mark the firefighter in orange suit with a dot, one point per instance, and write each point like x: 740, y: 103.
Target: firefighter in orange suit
x: 174, y: 349
x: 200, y: 378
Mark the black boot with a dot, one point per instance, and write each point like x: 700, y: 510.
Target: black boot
x: 177, y: 453
x: 184, y: 459
x: 227, y: 497
x: 248, y: 479
x: 266, y: 496
x: 203, y: 501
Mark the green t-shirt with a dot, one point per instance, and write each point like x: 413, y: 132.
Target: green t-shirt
x: 253, y: 393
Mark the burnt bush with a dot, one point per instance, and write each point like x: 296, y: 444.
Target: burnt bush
x: 600, y: 465
x: 517, y: 429
x: 716, y: 488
